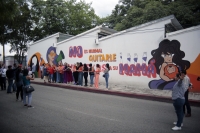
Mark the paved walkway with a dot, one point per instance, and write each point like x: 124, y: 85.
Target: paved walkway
x: 159, y: 95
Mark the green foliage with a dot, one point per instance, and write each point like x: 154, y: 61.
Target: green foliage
x: 130, y: 13
x: 62, y: 16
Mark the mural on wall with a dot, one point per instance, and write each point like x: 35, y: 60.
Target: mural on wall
x: 39, y: 61
x: 168, y: 61
x: 194, y: 74
x: 52, y: 57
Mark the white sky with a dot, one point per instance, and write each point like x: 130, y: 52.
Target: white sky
x: 102, y: 8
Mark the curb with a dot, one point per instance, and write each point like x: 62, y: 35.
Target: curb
x: 116, y: 93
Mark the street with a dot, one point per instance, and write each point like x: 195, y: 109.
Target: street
x: 58, y: 110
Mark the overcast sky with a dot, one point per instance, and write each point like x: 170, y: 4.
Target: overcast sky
x: 102, y: 8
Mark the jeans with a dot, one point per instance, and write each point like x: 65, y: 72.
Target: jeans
x: 50, y: 77
x: 91, y: 79
x: 3, y: 83
x: 80, y: 78
x: 106, y: 78
x: 19, y: 90
x: 10, y: 84
x: 57, y: 77
x: 61, y: 77
x: 178, y: 105
x: 29, y: 95
x: 187, y: 104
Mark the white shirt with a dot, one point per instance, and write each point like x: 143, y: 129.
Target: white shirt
x: 41, y: 68
x: 33, y: 68
x: 3, y: 72
x: 186, y: 82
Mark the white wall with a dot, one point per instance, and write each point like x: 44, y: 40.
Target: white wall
x: 190, y: 41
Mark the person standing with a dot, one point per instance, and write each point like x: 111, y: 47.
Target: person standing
x: 34, y: 69
x: 3, y: 78
x: 14, y: 77
x: 85, y: 74
x: 106, y: 73
x: 19, y: 83
x: 45, y: 73
x: 54, y: 74
x: 69, y: 74
x: 50, y: 70
x: 41, y: 70
x: 178, y: 98
x: 26, y: 82
x: 91, y: 73
x: 97, y: 73
x: 60, y: 69
x: 80, y: 74
x: 65, y: 73
x: 10, y: 77
x: 187, y: 104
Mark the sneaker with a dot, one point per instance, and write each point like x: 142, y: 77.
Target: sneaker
x: 188, y: 115
x: 175, y: 124
x: 25, y: 104
x: 176, y: 128
x: 29, y: 106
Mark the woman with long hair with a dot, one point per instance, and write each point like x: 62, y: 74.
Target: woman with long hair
x: 106, y: 73
x: 80, y: 75
x: 97, y: 73
x: 85, y: 74
x: 91, y: 73
x: 168, y: 60
x: 26, y: 82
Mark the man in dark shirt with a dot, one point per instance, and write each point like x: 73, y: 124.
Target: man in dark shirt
x: 10, y: 77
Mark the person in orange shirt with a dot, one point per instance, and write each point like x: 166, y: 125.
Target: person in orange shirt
x: 97, y: 73
x: 50, y: 70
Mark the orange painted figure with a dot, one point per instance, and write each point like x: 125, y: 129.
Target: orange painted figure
x: 97, y: 72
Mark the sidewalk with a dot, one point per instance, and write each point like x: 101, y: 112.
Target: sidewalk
x: 141, y: 93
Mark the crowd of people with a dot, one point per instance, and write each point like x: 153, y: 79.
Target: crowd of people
x: 74, y: 74
x: 17, y: 78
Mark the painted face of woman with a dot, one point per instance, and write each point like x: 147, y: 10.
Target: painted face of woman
x: 51, y: 55
x: 167, y: 57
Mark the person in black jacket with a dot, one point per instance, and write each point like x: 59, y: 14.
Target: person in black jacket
x: 85, y: 74
x: 10, y: 76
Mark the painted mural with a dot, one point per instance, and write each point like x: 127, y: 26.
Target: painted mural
x: 168, y: 62
x: 51, y: 56
x: 39, y: 61
x: 163, y: 65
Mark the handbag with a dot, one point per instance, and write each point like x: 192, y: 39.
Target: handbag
x: 104, y: 75
x: 29, y: 89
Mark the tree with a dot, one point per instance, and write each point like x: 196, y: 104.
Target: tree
x: 7, y: 9
x: 21, y: 31
x: 63, y: 16
x: 129, y: 13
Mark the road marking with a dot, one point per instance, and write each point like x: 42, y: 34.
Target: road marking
x: 92, y: 115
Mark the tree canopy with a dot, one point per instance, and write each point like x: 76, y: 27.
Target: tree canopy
x: 129, y: 13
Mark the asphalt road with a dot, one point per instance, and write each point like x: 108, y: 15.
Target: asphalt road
x: 60, y: 110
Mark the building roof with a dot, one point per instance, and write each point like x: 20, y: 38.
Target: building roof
x: 174, y: 23
x: 59, y: 36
